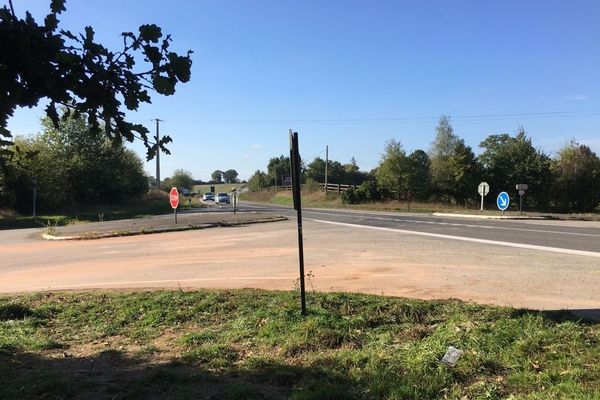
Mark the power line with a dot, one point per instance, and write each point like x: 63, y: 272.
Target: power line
x: 473, y: 117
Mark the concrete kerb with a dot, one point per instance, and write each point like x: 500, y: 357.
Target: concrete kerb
x: 91, y: 235
x: 474, y: 216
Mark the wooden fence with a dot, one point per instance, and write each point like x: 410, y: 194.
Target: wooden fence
x: 331, y: 187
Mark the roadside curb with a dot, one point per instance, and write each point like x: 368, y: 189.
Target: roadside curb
x: 91, y: 235
x: 437, y: 214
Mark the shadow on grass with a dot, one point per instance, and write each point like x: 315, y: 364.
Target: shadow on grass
x: 115, y: 375
x: 589, y: 316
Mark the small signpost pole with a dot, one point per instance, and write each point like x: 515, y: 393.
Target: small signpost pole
x: 521, y: 187
x: 483, y: 190
x: 295, y: 167
x: 174, y: 201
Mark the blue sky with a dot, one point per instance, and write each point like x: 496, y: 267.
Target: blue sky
x: 352, y: 74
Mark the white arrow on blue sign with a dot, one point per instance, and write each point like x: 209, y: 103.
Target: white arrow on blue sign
x: 503, y: 201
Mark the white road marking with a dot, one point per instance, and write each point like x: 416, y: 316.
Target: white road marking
x: 467, y: 239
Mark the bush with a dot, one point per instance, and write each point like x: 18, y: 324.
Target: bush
x: 311, y: 186
x: 365, y: 193
x: 350, y: 196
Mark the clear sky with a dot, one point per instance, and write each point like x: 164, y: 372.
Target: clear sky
x: 352, y: 74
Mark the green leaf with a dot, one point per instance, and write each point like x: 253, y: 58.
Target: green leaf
x: 163, y: 85
x: 51, y: 22
x: 57, y: 6
x: 153, y: 54
x: 181, y: 66
x: 150, y: 33
x: 5, y: 132
x: 52, y: 113
x: 89, y: 34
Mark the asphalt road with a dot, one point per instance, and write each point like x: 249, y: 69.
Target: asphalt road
x: 566, y: 237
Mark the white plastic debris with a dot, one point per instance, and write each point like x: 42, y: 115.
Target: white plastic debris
x: 452, y: 356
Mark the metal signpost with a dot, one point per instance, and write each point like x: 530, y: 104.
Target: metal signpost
x: 503, y: 201
x: 521, y: 187
x: 483, y: 189
x: 295, y: 167
x: 174, y: 200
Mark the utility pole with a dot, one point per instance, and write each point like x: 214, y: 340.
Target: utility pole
x: 326, y: 162
x: 158, y: 153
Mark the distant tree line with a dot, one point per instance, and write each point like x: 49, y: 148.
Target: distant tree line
x: 450, y: 173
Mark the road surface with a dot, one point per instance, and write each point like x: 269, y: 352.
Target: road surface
x: 544, y: 265
x: 568, y: 237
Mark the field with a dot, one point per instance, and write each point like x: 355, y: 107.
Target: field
x: 251, y: 344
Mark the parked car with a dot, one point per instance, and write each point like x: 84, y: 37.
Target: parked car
x: 208, y: 196
x: 222, y: 198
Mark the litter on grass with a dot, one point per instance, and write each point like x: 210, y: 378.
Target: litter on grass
x: 452, y: 356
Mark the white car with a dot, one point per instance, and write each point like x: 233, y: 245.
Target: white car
x: 208, y: 196
x: 222, y: 198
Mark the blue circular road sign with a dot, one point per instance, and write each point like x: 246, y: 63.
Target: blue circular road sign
x: 503, y: 201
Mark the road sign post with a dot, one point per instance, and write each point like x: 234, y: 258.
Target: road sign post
x: 521, y: 187
x: 502, y: 201
x: 174, y: 201
x: 295, y: 167
x: 483, y: 190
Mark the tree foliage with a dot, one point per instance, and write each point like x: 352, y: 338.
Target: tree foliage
x: 508, y: 160
x: 258, y: 181
x: 230, y: 176
x: 454, y: 168
x: 335, y: 171
x: 577, y: 179
x: 181, y: 179
x: 280, y: 168
x: 419, y: 175
x: 42, y: 61
x: 74, y: 165
x: 217, y: 176
x: 393, y: 170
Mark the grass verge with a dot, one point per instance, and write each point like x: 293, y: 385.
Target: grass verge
x: 251, y: 344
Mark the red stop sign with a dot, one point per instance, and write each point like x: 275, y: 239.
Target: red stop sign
x: 174, y: 197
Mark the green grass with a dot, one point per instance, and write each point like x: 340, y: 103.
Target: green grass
x: 251, y: 344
